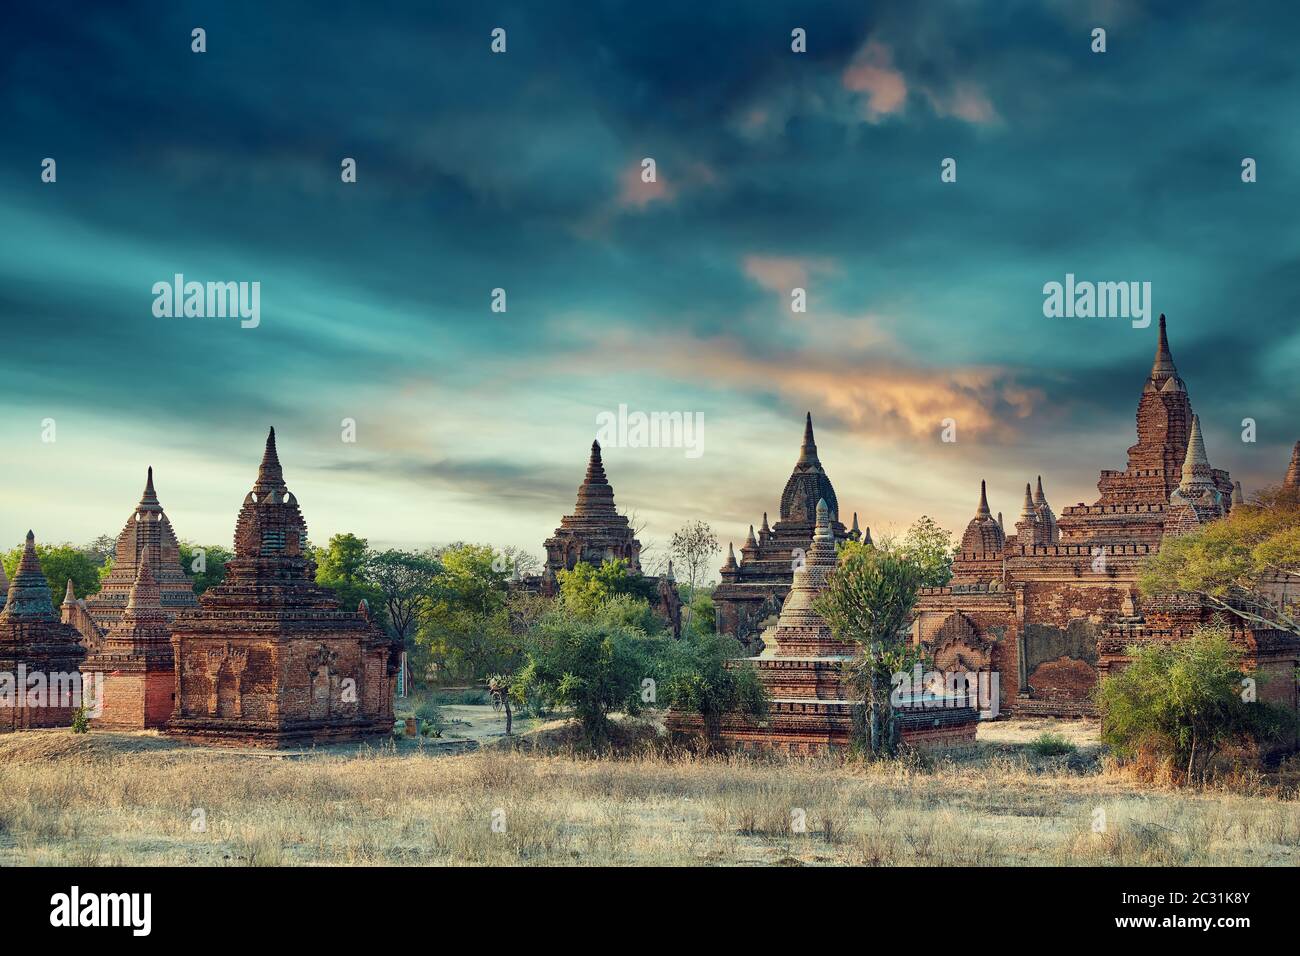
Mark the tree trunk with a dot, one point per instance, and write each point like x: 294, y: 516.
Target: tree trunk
x: 508, y: 717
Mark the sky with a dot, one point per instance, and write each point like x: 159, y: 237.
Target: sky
x: 523, y: 171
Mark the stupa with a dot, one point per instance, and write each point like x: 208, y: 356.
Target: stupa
x: 269, y: 658
x: 40, y: 683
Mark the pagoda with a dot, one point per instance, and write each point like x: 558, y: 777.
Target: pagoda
x: 595, y: 532
x: 810, y: 708
x: 132, y: 670
x: 147, y: 531
x: 269, y: 658
x: 752, y: 590
x: 40, y: 684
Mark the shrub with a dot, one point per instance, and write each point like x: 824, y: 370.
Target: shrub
x: 1184, y: 701
x: 1052, y: 745
x: 698, y: 680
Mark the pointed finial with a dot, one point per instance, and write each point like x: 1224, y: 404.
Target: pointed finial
x: 765, y: 529
x: 866, y: 537
x: 1027, y: 511
x: 1000, y: 524
x: 808, y: 450
x: 1163, y: 366
x: 731, y: 558
x: 69, y: 595
x: 1039, y: 498
x: 983, y: 510
x: 750, y: 541
x: 855, y: 521
x: 270, y: 476
x: 1195, y: 461
x: 29, y: 561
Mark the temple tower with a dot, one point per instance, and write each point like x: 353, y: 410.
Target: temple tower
x: 269, y: 658
x: 595, y: 532
x: 41, y: 652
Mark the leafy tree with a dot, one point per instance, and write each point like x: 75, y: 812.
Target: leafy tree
x: 1234, y: 564
x: 694, y: 547
x: 586, y: 588
x: 868, y: 600
x: 467, y: 624
x: 59, y: 562
x: 342, y: 567
x: 931, y: 547
x: 591, y: 666
x: 406, y: 581
x: 700, y: 602
x: 1183, y: 700
x: 207, y: 571
x: 101, y: 549
x: 700, y: 681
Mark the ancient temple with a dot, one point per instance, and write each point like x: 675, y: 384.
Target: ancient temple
x: 811, y: 709
x: 132, y: 670
x: 1032, y: 607
x: 269, y: 658
x: 596, y: 533
x: 749, y: 597
x: 147, y: 531
x: 40, y: 683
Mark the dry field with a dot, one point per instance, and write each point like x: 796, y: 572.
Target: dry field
x: 123, y: 799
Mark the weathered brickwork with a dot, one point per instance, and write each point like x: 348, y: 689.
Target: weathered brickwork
x: 269, y: 658
x: 749, y: 598
x: 1036, y: 606
x: 34, y: 642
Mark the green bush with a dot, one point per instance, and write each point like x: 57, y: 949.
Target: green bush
x: 1184, y: 700
x: 1052, y: 745
x: 699, y: 680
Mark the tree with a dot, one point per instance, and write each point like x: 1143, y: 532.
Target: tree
x: 205, y: 564
x: 341, y: 566
x: 699, y: 680
x: 1183, y: 700
x: 693, y: 546
x: 498, y: 686
x: 467, y: 626
x: 931, y: 547
x: 101, y: 549
x: 59, y: 563
x: 586, y: 588
x: 593, y: 667
x: 406, y: 581
x: 868, y: 600
x: 1242, y: 564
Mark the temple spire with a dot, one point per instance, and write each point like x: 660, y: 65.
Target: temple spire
x: 1292, y: 480
x: 29, y: 592
x: 1028, y: 513
x: 270, y: 476
x: 1039, y: 498
x: 823, y: 528
x: 731, y: 558
x: 69, y: 595
x: 750, y: 542
x: 1163, y: 366
x: 149, y: 499
x: 1196, y: 464
x: 808, y: 450
x: 983, y: 510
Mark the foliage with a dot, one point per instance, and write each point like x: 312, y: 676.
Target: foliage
x: 693, y: 546
x: 406, y: 580
x: 593, y: 667
x: 214, y: 564
x: 931, y: 547
x: 1183, y: 700
x: 586, y: 588
x: 342, y: 566
x: 698, y: 680
x: 466, y: 626
x: 1051, y: 745
x: 80, y: 721
x: 868, y: 600
x: 1231, y: 562
x: 60, y: 562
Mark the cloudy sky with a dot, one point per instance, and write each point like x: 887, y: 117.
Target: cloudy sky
x: 522, y: 171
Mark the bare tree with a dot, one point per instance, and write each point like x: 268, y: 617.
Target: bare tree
x: 693, y: 546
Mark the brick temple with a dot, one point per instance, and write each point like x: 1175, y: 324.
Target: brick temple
x: 595, y: 533
x: 132, y: 670
x: 269, y: 658
x: 1044, y: 607
x: 749, y: 597
x: 38, y: 652
x: 801, y: 665
x: 147, y: 531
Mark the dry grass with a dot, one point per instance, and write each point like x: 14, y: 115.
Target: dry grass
x: 118, y: 799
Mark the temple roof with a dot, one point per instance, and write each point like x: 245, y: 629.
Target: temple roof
x: 270, y: 476
x: 983, y: 535
x: 29, y: 592
x: 270, y: 524
x: 1197, y: 472
x: 1163, y: 368
x: 808, y: 484
x: 595, y: 495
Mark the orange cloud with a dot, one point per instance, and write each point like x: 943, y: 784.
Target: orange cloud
x: 780, y: 274
x: 872, y: 72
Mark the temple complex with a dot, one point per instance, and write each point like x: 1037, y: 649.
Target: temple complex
x: 801, y: 665
x: 269, y: 658
x: 1035, y: 606
x: 146, y: 531
x: 596, y: 533
x: 40, y: 684
x: 749, y: 597
x: 134, y: 676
